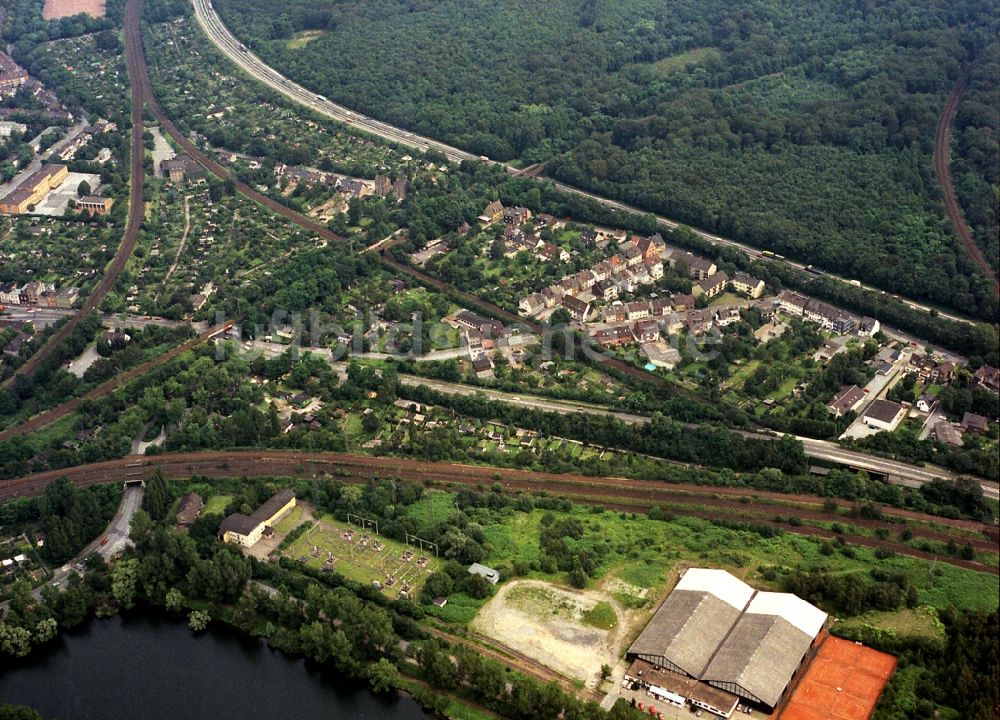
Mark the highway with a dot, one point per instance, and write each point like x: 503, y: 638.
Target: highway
x: 233, y: 49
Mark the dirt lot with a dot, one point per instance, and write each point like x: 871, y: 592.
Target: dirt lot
x: 547, y: 623
x: 55, y: 9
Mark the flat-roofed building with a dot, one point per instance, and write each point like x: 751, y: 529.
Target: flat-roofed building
x: 884, y: 415
x: 94, y: 204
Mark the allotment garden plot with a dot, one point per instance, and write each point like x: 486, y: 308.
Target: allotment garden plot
x: 364, y: 556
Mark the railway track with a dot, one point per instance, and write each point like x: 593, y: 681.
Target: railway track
x: 136, y: 212
x: 619, y: 494
x: 942, y: 164
x: 57, y: 413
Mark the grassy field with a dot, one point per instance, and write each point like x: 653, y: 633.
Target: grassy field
x: 642, y: 554
x: 290, y: 521
x: 301, y: 39
x: 602, y: 616
x: 919, y: 622
x: 362, y: 556
x: 695, y: 56
x: 432, y: 508
x: 216, y: 504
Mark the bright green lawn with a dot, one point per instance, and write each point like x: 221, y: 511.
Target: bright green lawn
x: 216, y: 504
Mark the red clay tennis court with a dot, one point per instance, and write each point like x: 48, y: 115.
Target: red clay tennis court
x: 843, y: 682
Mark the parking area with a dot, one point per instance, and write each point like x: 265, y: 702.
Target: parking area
x: 54, y: 204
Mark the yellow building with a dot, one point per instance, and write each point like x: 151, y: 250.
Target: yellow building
x: 247, y: 530
x: 33, y: 189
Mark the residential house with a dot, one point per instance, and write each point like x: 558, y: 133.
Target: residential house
x: 828, y: 317
x: 698, y: 267
x: 793, y: 303
x: 482, y: 366
x: 190, y: 508
x: 925, y: 402
x: 492, y: 213
x: 646, y: 331
x: 988, y: 377
x: 683, y: 302
x: 711, y: 286
x: 605, y: 290
x: 942, y: 374
x: 577, y: 309
x: 532, y: 304
x: 637, y: 310
x: 971, y: 422
x: 700, y: 322
x: 868, y: 327
x: 884, y: 415
x: 845, y: 401
x: 727, y: 316
x: 747, y: 285
x: 516, y: 215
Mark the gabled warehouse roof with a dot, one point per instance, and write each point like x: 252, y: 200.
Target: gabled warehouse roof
x: 806, y: 617
x: 716, y: 628
x: 726, y: 587
x: 686, y: 630
x: 760, y: 656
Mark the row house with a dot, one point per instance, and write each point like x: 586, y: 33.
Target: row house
x: 612, y: 337
x: 615, y: 313
x: 829, y: 317
x: 793, y: 303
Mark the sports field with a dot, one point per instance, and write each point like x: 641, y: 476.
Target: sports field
x: 843, y: 682
x: 364, y: 556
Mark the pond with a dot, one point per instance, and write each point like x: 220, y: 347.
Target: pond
x: 149, y: 666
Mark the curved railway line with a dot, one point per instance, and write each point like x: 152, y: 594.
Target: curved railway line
x: 942, y: 163
x: 620, y: 494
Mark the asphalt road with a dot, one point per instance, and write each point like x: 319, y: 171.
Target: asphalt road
x: 230, y: 46
x: 111, y: 543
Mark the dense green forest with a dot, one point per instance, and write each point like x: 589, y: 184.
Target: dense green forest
x: 976, y: 152
x: 804, y: 128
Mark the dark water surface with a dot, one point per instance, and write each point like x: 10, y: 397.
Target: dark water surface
x: 145, y: 667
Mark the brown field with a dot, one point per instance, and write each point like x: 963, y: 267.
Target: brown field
x: 55, y: 9
x: 844, y: 682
